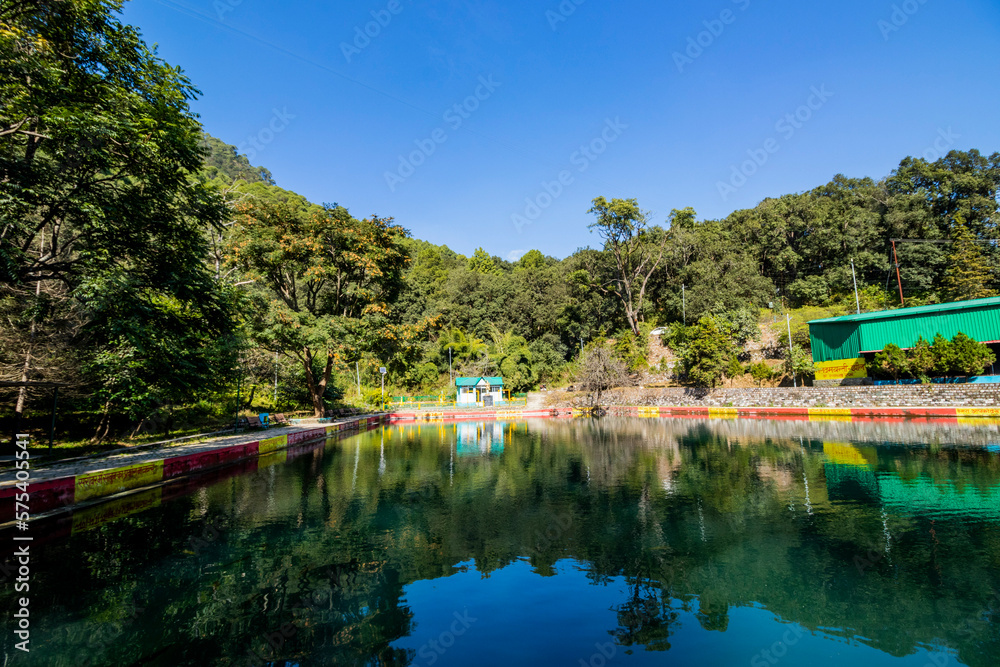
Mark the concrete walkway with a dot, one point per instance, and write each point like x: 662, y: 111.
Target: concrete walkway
x: 71, y: 467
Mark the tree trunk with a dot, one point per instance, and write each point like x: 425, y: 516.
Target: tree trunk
x: 316, y: 389
x: 103, y: 426
x: 22, y: 392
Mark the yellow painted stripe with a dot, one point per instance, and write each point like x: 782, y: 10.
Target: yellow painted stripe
x: 272, y: 459
x: 978, y: 412
x: 843, y: 453
x: 108, y: 482
x: 979, y: 421
x: 830, y: 412
x: 649, y: 412
x: 272, y: 444
x: 831, y: 418
x: 723, y: 412
x: 94, y: 517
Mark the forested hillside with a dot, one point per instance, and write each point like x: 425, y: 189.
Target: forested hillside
x: 146, y: 265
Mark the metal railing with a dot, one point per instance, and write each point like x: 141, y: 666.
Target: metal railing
x: 421, y: 405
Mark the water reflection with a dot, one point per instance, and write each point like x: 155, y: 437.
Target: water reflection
x: 719, y: 542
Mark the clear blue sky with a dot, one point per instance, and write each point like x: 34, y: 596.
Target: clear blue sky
x: 898, y: 77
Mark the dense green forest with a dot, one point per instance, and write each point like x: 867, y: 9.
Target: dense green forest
x: 148, y: 266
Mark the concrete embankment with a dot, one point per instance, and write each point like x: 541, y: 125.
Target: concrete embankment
x: 56, y: 486
x: 977, y: 396
x: 60, y: 485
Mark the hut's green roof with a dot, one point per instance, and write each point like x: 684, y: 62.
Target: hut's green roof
x: 472, y: 382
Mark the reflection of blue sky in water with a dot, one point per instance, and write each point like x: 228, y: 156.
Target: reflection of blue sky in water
x: 479, y: 438
x: 569, y: 612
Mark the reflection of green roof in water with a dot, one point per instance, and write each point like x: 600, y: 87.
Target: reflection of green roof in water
x: 840, y: 476
x: 924, y: 495
x: 911, y: 496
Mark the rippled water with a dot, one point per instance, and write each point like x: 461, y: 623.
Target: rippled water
x: 593, y: 542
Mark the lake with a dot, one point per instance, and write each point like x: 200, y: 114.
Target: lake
x: 614, y: 541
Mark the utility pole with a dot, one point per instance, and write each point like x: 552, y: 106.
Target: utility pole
x: 581, y: 345
x: 791, y: 354
x: 239, y: 379
x: 684, y: 310
x: 857, y: 301
x: 899, y: 280
x: 382, y: 373
x: 357, y: 369
x: 451, y: 376
x: 275, y: 380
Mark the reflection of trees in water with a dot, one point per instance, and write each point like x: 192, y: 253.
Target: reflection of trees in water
x: 353, y: 526
x: 647, y: 617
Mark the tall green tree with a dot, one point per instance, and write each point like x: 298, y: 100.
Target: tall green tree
x: 709, y: 351
x: 327, y: 279
x: 102, y: 224
x: 636, y: 250
x: 968, y: 275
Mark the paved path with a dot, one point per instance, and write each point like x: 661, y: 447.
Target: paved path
x: 43, y: 470
x: 536, y: 400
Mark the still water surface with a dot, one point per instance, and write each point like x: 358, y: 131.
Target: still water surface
x: 583, y: 542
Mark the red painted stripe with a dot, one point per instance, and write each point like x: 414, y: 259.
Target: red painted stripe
x: 182, y: 465
x: 44, y: 496
x: 187, y: 485
x: 938, y: 420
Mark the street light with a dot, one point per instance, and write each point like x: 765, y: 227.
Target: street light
x: 382, y: 371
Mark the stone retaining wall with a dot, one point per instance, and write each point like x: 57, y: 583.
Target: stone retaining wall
x: 845, y: 397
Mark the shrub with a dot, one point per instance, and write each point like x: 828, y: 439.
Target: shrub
x: 891, y: 362
x: 921, y: 360
x: 968, y: 356
x: 735, y: 369
x: 942, y: 354
x: 800, y: 362
x: 761, y: 373
x: 709, y: 353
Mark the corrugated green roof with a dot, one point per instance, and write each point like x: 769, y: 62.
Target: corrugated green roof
x: 847, y: 337
x: 918, y: 310
x: 472, y: 382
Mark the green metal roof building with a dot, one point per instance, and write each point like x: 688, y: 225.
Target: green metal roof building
x: 851, y: 336
x: 472, y: 382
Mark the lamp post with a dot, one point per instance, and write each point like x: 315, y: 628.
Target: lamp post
x: 381, y: 371
x: 857, y: 301
x: 791, y: 351
x: 239, y: 379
